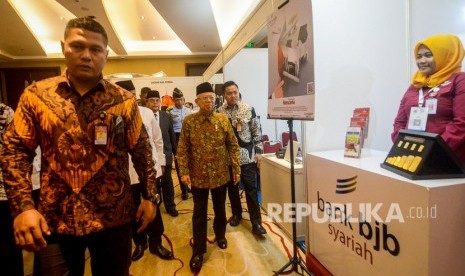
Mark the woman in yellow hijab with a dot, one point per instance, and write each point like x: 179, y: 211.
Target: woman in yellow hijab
x: 435, y: 102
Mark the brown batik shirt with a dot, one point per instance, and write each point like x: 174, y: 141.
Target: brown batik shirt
x: 85, y: 187
x: 206, y: 148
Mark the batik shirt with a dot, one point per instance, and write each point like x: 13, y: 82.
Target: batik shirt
x: 247, y: 128
x: 6, y: 116
x: 206, y: 147
x: 85, y: 186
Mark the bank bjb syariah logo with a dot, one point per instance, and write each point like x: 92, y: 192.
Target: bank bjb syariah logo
x: 346, y: 185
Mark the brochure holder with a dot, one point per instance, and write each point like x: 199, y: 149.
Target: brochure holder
x: 422, y: 155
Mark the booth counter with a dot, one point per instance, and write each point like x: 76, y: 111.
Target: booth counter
x: 366, y: 220
x: 275, y: 179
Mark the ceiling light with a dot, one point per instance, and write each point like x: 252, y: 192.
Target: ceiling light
x: 46, y: 19
x: 131, y: 32
x: 41, y: 17
x: 229, y: 15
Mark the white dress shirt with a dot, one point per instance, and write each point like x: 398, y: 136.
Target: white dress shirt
x: 156, y: 141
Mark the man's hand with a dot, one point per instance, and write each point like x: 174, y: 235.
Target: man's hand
x: 29, y: 229
x: 145, y: 214
x: 258, y: 159
x: 186, y: 179
x: 236, y: 178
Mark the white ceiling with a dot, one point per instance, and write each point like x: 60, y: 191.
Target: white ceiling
x: 32, y: 29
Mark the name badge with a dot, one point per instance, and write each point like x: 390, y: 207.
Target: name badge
x: 432, y: 105
x: 101, y: 134
x: 418, y: 118
x: 239, y: 127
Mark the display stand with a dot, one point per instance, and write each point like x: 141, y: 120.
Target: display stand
x: 422, y: 155
x: 294, y: 260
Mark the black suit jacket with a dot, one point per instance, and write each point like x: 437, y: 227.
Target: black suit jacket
x: 169, y: 138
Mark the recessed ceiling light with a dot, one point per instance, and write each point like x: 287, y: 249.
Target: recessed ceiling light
x: 229, y: 15
x: 134, y: 35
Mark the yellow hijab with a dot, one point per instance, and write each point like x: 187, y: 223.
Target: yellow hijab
x: 448, y: 54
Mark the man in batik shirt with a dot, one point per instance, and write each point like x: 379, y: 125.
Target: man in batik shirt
x: 248, y: 132
x: 206, y: 147
x: 11, y: 256
x: 85, y: 126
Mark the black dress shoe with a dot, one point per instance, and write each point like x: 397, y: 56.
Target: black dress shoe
x: 185, y: 196
x: 196, y: 263
x: 138, y: 252
x: 222, y: 243
x: 160, y: 251
x: 173, y: 212
x: 235, y: 220
x: 258, y: 229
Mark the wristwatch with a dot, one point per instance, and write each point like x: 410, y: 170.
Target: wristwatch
x: 156, y: 199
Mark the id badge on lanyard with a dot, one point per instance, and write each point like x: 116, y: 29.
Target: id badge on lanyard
x: 419, y: 115
x: 418, y: 118
x: 101, y: 131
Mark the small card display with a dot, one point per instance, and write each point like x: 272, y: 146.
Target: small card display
x: 353, y: 143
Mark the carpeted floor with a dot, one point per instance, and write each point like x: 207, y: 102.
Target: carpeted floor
x: 246, y: 254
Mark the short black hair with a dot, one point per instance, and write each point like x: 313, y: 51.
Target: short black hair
x: 145, y: 90
x: 87, y: 23
x: 229, y: 83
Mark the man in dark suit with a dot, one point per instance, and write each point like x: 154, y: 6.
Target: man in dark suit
x: 153, y: 101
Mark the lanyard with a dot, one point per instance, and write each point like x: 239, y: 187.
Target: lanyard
x: 421, y: 97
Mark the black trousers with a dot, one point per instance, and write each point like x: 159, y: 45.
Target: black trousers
x: 248, y: 178
x: 154, y: 230
x: 199, y: 218
x: 11, y: 256
x: 110, y: 252
x: 167, y: 188
x: 184, y: 188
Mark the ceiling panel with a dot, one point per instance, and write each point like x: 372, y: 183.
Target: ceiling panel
x: 192, y: 21
x: 16, y: 40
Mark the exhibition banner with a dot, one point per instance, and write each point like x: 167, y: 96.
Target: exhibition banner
x: 291, y: 81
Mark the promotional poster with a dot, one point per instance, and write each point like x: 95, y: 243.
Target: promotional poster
x: 291, y: 86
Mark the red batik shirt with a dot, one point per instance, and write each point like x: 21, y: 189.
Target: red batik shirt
x: 84, y: 187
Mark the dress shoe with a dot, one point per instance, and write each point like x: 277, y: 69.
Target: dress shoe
x: 222, y: 243
x: 185, y: 196
x: 258, y: 229
x: 196, y: 263
x: 138, y: 252
x: 235, y: 220
x: 173, y: 212
x: 160, y: 251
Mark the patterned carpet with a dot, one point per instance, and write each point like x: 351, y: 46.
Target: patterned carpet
x: 246, y: 254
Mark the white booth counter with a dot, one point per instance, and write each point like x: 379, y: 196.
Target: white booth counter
x: 275, y: 184
x: 366, y: 220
